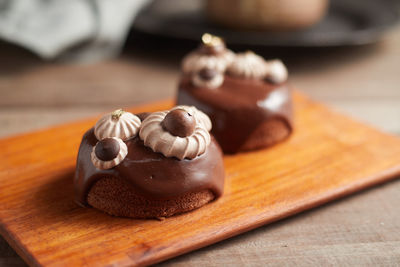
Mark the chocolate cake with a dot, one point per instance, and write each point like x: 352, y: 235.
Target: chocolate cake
x: 149, y: 166
x: 246, y: 97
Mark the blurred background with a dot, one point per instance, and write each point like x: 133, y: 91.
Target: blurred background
x: 67, y: 60
x: 64, y: 60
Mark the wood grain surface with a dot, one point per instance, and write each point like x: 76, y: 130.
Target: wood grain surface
x: 361, y: 230
x: 328, y: 156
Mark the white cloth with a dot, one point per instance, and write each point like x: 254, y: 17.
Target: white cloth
x: 84, y: 29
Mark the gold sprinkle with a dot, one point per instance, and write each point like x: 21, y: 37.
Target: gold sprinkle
x: 211, y: 40
x: 116, y: 114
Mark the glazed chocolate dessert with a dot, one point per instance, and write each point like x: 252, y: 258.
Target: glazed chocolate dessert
x: 246, y: 97
x: 166, y: 164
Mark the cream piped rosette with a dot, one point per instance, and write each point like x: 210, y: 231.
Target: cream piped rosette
x: 213, y: 82
x: 160, y: 140
x: 195, y: 61
x: 276, y: 71
x: 248, y: 65
x: 108, y: 164
x: 198, y: 60
x: 119, y: 123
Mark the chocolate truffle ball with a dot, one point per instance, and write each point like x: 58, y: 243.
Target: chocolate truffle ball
x: 107, y: 149
x: 179, y: 122
x: 207, y: 74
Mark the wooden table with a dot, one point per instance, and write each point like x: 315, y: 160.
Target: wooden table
x: 364, y: 82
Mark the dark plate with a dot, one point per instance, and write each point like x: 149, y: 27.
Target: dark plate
x: 348, y: 22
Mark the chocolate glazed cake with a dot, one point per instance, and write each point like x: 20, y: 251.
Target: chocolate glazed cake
x: 246, y: 97
x: 151, y: 165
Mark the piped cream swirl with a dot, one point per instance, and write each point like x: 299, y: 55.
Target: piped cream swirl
x: 195, y: 61
x: 248, y: 65
x: 211, y: 83
x: 277, y: 71
x: 159, y: 140
x: 105, y: 165
x: 119, y: 123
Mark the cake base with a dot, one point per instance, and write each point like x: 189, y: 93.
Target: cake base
x: 116, y: 197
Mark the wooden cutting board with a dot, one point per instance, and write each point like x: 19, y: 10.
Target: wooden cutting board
x: 328, y: 156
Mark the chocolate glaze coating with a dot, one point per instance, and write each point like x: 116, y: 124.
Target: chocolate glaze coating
x: 107, y: 149
x: 180, y: 123
x: 238, y: 107
x: 152, y: 175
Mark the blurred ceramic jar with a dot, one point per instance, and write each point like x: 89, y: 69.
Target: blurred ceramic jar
x: 266, y: 14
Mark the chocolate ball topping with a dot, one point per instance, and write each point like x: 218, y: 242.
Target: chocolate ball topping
x: 207, y: 74
x: 179, y: 122
x: 143, y: 115
x: 107, y: 149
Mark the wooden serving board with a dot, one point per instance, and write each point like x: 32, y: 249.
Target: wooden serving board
x: 328, y: 156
